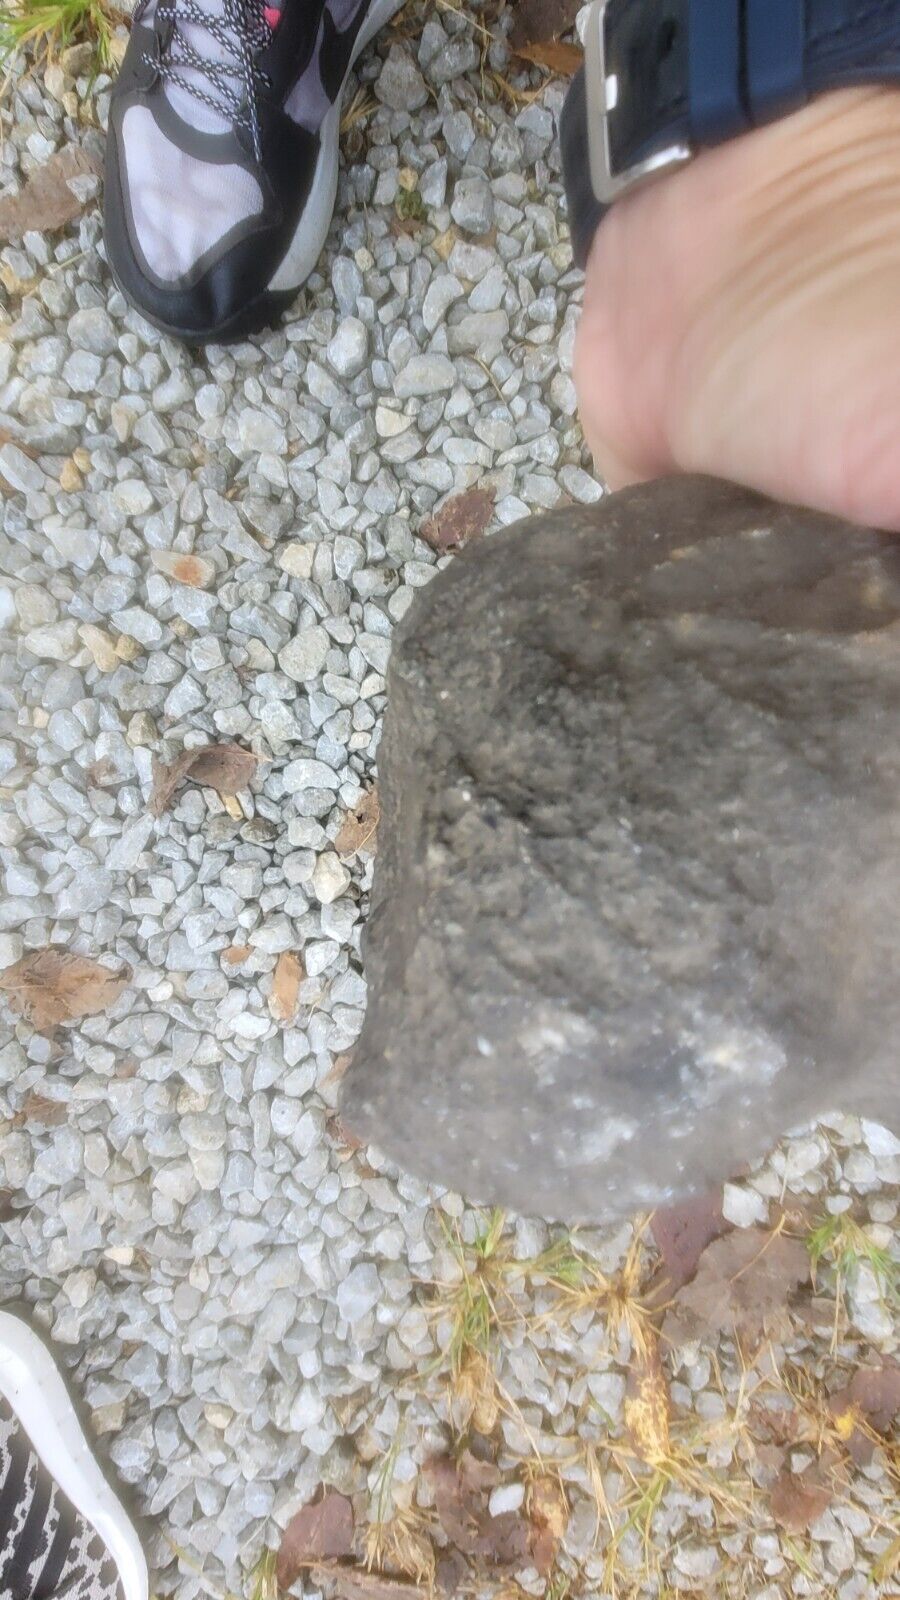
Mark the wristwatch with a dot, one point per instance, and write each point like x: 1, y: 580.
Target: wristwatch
x: 664, y: 79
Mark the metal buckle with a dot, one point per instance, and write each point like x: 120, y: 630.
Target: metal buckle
x: 603, y: 95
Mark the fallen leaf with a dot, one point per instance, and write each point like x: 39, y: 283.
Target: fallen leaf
x: 340, y: 1136
x: 866, y: 1408
x: 548, y: 1512
x: 647, y: 1405
x: 197, y: 572
x: 682, y: 1233
x: 46, y: 200
x: 461, y: 1501
x: 319, y: 1532
x: 799, y: 1498
x: 741, y: 1287
x: 50, y: 986
x: 358, y: 1583
x: 459, y: 520
x: 236, y: 954
x: 876, y: 1392
x: 562, y: 59
x: 359, y: 829
x: 36, y: 1108
x: 224, y: 767
x: 537, y: 21
x: 450, y: 1571
x: 289, y: 975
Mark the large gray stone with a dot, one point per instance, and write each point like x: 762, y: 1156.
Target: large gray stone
x: 638, y: 885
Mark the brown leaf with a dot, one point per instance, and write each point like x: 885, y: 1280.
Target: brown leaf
x: 224, y: 767
x: 289, y: 974
x: 799, y: 1498
x: 461, y: 1503
x: 358, y: 1583
x: 540, y: 20
x: 866, y: 1408
x: 876, y: 1393
x: 741, y: 1287
x: 50, y: 986
x: 236, y: 954
x: 46, y: 202
x: 647, y: 1405
x: 682, y: 1233
x: 459, y: 520
x: 36, y: 1108
x: 359, y: 829
x: 562, y: 59
x: 320, y: 1532
x: 548, y: 1511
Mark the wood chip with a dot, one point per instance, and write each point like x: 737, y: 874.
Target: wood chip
x: 46, y: 202
x: 227, y: 768
x: 359, y: 829
x: 289, y: 974
x: 548, y: 1513
x: 357, y: 1583
x: 49, y: 987
x: 460, y: 519
x: 647, y: 1405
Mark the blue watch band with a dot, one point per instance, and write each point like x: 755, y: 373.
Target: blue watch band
x: 675, y: 76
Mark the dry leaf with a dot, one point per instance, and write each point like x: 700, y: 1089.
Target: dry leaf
x: 461, y: 1492
x: 558, y: 57
x: 682, y: 1233
x: 36, y: 1108
x: 319, y: 1532
x: 357, y: 1583
x: 875, y: 1391
x: 341, y: 1137
x: 289, y: 975
x: 799, y: 1498
x: 539, y: 20
x: 647, y: 1405
x: 548, y: 1511
x: 224, y: 767
x: 50, y: 986
x: 866, y: 1408
x: 741, y: 1287
x: 359, y: 829
x: 460, y: 520
x: 236, y: 954
x: 46, y: 202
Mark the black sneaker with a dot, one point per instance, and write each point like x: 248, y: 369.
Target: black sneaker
x: 222, y: 155
x: 63, y: 1533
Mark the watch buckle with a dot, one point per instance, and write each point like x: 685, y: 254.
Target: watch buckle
x: 604, y: 93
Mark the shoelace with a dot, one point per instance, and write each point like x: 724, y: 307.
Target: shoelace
x: 241, y: 29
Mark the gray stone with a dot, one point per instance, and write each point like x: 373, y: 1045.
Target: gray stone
x: 400, y: 84
x: 473, y: 205
x: 635, y: 901
x: 304, y: 657
x: 349, y: 349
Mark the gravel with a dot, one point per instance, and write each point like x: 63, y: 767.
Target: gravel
x: 217, y: 546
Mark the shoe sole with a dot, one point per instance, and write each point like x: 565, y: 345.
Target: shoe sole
x: 305, y: 249
x: 35, y: 1389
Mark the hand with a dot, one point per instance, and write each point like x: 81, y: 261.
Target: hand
x: 742, y: 316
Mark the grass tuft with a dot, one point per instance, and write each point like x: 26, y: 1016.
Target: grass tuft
x: 42, y: 28
x: 841, y: 1245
